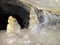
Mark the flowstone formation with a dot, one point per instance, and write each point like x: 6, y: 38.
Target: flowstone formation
x: 42, y: 18
x: 45, y: 27
x: 13, y: 26
x: 34, y: 23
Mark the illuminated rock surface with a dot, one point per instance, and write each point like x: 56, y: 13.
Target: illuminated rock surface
x: 13, y: 26
x: 50, y: 5
x: 45, y: 37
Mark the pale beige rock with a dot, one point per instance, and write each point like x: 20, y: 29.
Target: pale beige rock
x: 33, y: 18
x: 50, y: 5
x: 13, y: 26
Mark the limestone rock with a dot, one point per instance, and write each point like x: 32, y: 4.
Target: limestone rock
x: 13, y: 26
x: 33, y: 20
x: 50, y: 5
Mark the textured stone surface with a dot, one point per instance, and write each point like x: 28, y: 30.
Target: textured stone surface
x: 33, y: 19
x: 13, y: 26
x: 46, y: 37
x: 50, y: 5
x: 44, y: 29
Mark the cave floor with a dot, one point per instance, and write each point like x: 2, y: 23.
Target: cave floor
x: 27, y: 38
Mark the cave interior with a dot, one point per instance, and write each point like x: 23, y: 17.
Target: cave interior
x: 18, y: 12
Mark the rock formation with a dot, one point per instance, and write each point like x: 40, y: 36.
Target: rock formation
x: 13, y: 26
x: 44, y: 24
x: 33, y: 25
x: 52, y: 5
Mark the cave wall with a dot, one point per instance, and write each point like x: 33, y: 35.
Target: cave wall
x: 19, y: 12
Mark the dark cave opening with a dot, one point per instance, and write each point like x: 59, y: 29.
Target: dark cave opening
x: 19, y: 13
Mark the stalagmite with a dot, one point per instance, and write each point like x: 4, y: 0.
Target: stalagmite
x: 33, y: 26
x: 13, y: 26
